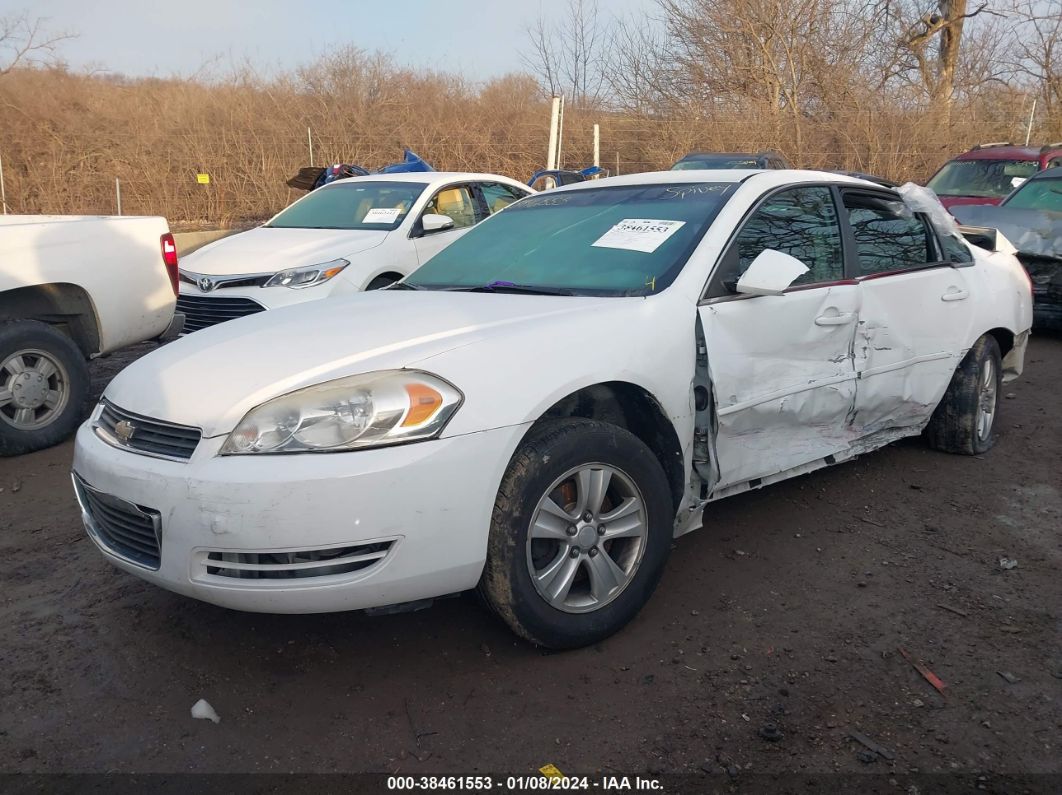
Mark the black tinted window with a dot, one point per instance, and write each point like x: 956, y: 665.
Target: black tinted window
x: 888, y: 235
x: 801, y: 222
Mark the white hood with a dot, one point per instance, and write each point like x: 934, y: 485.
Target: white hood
x: 211, y: 378
x: 268, y: 250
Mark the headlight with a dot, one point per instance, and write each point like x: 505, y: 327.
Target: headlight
x: 372, y: 410
x: 296, y: 278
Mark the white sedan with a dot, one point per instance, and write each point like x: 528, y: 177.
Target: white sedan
x: 356, y: 234
x: 540, y: 408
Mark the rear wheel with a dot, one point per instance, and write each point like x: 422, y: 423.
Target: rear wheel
x: 44, y: 383
x: 580, y: 533
x: 966, y: 418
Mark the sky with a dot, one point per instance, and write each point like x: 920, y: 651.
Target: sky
x: 178, y: 37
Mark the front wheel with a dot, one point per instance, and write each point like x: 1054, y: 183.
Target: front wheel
x: 44, y: 384
x: 968, y: 414
x: 580, y: 533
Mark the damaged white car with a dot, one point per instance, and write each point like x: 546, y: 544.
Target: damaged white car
x: 540, y: 408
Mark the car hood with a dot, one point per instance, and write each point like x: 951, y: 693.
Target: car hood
x: 1037, y: 232
x: 211, y: 378
x: 962, y: 201
x: 268, y: 250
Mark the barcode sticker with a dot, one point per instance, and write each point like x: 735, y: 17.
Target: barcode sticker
x: 638, y: 234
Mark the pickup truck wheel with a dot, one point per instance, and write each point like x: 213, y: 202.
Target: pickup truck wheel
x: 580, y: 533
x: 967, y: 415
x: 44, y: 383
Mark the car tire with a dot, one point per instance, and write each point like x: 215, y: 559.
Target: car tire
x: 968, y: 414
x: 610, y: 571
x: 44, y: 385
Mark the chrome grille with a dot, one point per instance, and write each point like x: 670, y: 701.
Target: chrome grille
x: 141, y: 434
x: 295, y: 564
x: 125, y: 529
x: 201, y: 311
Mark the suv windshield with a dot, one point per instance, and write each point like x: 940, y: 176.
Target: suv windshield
x: 614, y: 241
x: 990, y: 179
x: 351, y: 205
x: 716, y: 161
x: 1038, y: 194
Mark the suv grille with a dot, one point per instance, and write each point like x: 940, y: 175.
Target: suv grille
x: 127, y: 530
x: 298, y: 564
x: 201, y: 311
x: 121, y: 428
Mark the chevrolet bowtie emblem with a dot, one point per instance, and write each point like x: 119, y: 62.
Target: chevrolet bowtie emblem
x: 123, y: 429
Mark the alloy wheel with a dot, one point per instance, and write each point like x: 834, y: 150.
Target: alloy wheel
x: 587, y: 537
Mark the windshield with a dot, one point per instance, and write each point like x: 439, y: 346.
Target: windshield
x: 630, y: 240
x: 351, y: 205
x: 1038, y: 194
x: 716, y: 161
x: 990, y: 179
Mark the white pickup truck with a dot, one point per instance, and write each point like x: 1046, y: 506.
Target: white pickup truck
x: 73, y: 288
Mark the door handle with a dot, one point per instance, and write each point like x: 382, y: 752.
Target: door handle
x: 835, y: 320
x: 955, y: 294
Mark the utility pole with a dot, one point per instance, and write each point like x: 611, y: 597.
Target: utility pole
x: 554, y: 128
x: 597, y: 145
x: 1028, y: 128
x: 3, y: 192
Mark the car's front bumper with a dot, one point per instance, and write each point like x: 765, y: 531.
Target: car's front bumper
x: 427, y: 504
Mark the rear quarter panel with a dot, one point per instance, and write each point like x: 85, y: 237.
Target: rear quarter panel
x: 1001, y: 293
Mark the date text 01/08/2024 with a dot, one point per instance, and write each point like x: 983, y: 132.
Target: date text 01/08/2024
x: 518, y: 783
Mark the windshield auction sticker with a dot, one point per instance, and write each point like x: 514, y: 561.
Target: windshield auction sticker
x: 638, y: 234
x: 381, y: 215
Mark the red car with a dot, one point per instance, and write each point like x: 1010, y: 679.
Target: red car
x: 987, y: 173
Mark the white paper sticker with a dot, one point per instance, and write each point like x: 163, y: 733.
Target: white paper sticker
x: 638, y: 234
x: 381, y: 215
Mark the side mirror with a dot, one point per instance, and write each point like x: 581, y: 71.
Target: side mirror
x: 771, y: 273
x: 432, y: 222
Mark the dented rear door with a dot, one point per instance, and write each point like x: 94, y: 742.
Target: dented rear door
x: 915, y: 316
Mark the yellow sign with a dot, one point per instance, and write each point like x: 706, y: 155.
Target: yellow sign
x: 551, y: 772
x: 202, y: 179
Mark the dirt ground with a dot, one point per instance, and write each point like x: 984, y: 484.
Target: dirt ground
x: 774, y: 636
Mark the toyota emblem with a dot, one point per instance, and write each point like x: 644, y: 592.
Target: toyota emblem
x: 206, y: 284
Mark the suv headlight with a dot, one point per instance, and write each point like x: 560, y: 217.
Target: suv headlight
x: 371, y: 410
x: 297, y: 278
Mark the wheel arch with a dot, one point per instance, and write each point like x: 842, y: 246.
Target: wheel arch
x: 68, y: 307
x: 391, y: 274
x: 635, y: 409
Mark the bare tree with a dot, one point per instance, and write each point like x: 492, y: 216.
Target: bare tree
x: 930, y: 46
x: 1038, y: 56
x: 566, y: 55
x: 25, y: 41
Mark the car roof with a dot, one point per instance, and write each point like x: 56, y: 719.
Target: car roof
x: 695, y: 155
x: 1009, y: 152
x: 426, y: 177
x: 1048, y: 173
x: 768, y: 178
